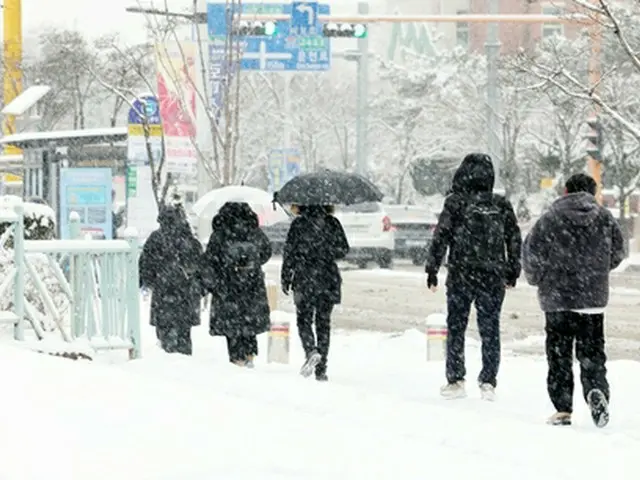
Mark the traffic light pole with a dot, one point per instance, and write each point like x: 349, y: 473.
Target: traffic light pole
x: 492, y: 48
x: 362, y: 108
x: 595, y: 34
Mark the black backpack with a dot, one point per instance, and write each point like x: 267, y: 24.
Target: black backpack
x: 480, y: 238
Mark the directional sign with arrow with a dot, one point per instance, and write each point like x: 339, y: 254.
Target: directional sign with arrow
x: 304, y: 19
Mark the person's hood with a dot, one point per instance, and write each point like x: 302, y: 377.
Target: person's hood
x: 234, y: 216
x: 171, y: 217
x: 578, y: 209
x: 475, y: 174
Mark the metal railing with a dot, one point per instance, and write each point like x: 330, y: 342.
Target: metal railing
x: 96, y: 281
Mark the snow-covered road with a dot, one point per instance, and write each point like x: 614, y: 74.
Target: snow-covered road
x: 395, y: 300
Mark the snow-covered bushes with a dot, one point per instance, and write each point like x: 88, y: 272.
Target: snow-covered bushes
x: 39, y: 223
x: 39, y: 220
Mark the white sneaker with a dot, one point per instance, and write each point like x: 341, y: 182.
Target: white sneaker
x: 310, y: 364
x: 487, y: 392
x: 453, y: 390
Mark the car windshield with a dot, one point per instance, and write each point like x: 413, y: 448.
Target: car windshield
x: 367, y: 207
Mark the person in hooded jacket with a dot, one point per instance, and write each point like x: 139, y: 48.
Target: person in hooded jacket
x: 232, y: 272
x: 481, y: 231
x: 168, y: 267
x: 568, y: 255
x: 315, y: 241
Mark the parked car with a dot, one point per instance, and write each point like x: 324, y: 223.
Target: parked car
x: 277, y: 235
x: 370, y: 233
x: 414, y: 227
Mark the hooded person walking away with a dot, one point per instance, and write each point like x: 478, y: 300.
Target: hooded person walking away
x: 478, y: 227
x: 232, y: 272
x: 568, y: 255
x: 315, y: 241
x: 168, y: 267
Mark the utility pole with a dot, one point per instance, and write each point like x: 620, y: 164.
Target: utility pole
x: 362, y: 108
x: 12, y: 24
x: 595, y: 33
x: 492, y: 48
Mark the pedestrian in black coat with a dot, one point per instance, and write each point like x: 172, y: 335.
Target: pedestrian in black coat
x: 568, y: 255
x: 168, y: 267
x: 232, y: 272
x: 315, y: 241
x: 481, y: 231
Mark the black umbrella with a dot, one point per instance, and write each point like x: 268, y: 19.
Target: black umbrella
x: 328, y: 187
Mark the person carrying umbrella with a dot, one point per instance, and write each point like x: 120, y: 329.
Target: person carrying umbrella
x: 315, y: 241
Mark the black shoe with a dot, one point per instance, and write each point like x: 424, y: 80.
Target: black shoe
x: 313, y: 359
x: 322, y: 377
x: 599, y: 407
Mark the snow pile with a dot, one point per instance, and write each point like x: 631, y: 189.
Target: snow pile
x: 169, y: 417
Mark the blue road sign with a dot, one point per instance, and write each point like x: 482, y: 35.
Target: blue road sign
x: 282, y: 164
x: 147, y: 105
x: 304, y: 19
x: 281, y: 52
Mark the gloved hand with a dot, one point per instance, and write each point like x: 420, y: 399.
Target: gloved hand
x: 432, y: 280
x: 512, y: 279
x: 286, y: 286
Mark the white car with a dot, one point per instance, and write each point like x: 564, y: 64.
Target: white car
x: 370, y: 233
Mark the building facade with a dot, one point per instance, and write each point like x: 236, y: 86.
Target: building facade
x: 514, y: 36
x: 389, y: 39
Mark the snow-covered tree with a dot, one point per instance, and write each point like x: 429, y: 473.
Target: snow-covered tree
x: 60, y: 62
x: 561, y: 68
x: 424, y: 111
x: 563, y: 64
x: 558, y: 145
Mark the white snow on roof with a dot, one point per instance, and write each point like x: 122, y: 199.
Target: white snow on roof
x: 26, y: 100
x: 57, y: 135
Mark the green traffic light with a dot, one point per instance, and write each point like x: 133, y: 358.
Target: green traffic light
x: 359, y: 30
x: 270, y: 28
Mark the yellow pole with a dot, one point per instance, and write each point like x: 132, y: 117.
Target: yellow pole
x: 12, y: 63
x: 595, y: 33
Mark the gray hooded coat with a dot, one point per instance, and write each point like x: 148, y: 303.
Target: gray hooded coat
x: 569, y: 253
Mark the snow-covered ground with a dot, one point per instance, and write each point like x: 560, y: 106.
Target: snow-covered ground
x: 170, y: 417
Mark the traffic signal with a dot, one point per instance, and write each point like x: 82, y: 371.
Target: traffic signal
x: 595, y: 140
x: 253, y: 29
x: 344, y: 30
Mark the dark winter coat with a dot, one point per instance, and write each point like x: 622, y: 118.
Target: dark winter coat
x: 239, y: 296
x: 168, y: 267
x: 570, y: 251
x: 315, y: 241
x: 474, y: 179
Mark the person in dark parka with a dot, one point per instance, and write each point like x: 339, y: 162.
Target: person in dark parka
x: 481, y: 231
x: 168, y: 267
x: 232, y: 272
x: 314, y: 242
x: 568, y: 255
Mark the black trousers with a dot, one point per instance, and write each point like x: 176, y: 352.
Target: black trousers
x: 319, y: 313
x: 176, y: 339
x: 241, y: 347
x: 488, y: 300
x: 587, y: 332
